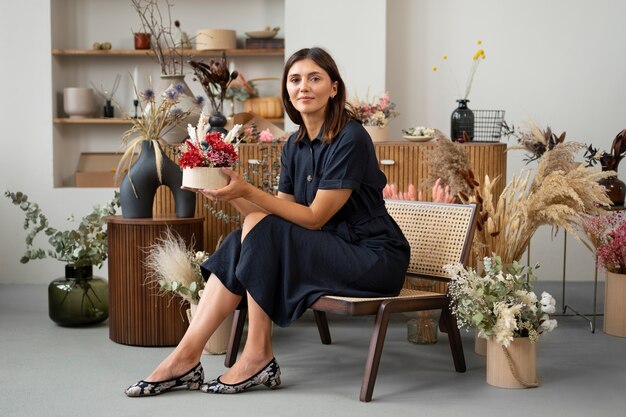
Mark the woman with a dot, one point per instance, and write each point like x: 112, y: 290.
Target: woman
x: 327, y: 232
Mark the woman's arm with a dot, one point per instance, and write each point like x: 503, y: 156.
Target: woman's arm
x: 246, y: 207
x: 324, y: 206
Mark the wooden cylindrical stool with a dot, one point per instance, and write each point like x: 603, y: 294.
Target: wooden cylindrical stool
x: 138, y: 314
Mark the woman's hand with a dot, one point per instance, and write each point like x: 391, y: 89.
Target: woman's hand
x: 236, y: 188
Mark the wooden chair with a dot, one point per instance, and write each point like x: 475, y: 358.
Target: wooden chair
x: 439, y: 234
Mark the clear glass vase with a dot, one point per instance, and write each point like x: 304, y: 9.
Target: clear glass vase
x: 79, y: 298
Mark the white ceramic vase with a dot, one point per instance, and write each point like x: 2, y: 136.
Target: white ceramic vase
x: 204, y: 178
x: 78, y: 102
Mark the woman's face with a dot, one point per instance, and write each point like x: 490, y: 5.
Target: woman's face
x: 310, y: 88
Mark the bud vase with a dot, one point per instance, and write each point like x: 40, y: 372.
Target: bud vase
x: 79, y: 298
x: 462, y: 122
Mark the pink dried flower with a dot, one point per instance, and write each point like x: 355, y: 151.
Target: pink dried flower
x: 608, y: 235
x: 266, y: 136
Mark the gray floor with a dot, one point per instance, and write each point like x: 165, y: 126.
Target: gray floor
x: 47, y: 370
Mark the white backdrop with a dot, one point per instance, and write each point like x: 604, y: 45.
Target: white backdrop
x: 560, y: 62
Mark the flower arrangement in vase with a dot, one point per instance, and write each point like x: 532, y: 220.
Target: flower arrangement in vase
x: 215, y: 78
x: 204, y: 154
x: 374, y: 114
x: 500, y: 303
x: 608, y: 235
x: 79, y: 297
x: 462, y: 118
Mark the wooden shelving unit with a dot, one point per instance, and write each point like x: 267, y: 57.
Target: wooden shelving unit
x: 92, y: 120
x: 185, y: 52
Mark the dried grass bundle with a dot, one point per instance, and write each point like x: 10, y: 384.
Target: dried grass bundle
x: 175, y: 267
x: 448, y: 161
x: 560, y: 194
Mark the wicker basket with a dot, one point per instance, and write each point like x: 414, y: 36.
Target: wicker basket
x: 266, y: 107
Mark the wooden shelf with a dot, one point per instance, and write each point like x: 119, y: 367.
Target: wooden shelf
x: 186, y: 52
x: 92, y: 120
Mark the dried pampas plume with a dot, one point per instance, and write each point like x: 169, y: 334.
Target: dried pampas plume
x: 170, y: 260
x: 447, y: 161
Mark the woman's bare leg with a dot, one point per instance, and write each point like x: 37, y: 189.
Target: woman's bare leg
x: 257, y: 352
x: 215, y: 304
x: 258, y: 349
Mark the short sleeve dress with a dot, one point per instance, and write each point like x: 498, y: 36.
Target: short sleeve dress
x: 359, y: 252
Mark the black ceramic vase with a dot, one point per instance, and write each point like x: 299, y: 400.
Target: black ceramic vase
x: 462, y: 122
x: 79, y: 298
x: 217, y: 122
x: 136, y: 202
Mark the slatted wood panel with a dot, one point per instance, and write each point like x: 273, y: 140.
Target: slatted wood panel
x: 138, y: 314
x: 410, y: 166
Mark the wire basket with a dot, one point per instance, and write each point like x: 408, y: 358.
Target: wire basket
x: 488, y: 125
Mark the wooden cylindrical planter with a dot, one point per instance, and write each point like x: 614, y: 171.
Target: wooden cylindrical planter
x: 480, y: 345
x: 615, y: 305
x: 138, y: 314
x: 523, y: 361
x: 218, y: 342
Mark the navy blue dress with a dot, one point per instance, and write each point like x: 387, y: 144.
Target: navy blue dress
x: 360, y: 252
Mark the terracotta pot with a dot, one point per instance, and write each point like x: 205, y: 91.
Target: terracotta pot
x: 142, y: 41
x: 614, y: 307
x: 523, y: 359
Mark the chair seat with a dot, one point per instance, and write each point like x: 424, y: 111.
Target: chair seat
x: 367, y: 306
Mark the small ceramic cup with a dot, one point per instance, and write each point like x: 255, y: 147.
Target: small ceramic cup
x: 142, y: 40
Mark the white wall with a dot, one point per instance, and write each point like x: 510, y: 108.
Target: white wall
x: 559, y: 62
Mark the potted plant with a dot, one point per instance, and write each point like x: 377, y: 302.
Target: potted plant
x: 203, y: 155
x: 215, y: 78
x: 78, y: 298
x: 501, y: 304
x: 374, y: 114
x: 607, y: 234
x: 175, y: 268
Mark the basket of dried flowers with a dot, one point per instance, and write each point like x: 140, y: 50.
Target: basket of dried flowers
x: 267, y: 107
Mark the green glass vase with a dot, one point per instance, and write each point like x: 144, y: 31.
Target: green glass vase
x: 79, y: 298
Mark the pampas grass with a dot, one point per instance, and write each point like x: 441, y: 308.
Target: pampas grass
x: 176, y: 267
x: 446, y: 162
x: 560, y: 194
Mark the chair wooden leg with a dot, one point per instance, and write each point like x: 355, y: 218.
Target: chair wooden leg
x: 375, y: 351
x: 236, y: 331
x: 454, y: 338
x: 322, y: 326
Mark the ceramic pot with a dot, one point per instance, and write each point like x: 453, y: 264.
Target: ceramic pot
x: 377, y: 133
x: 615, y: 189
x: 461, y: 122
x: 78, y: 102
x: 79, y: 298
x: 204, y: 178
x: 614, y: 307
x: 217, y: 122
x: 218, y: 342
x: 523, y: 361
x: 142, y: 40
x: 140, y: 184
